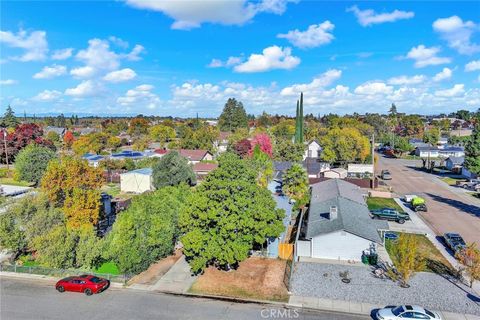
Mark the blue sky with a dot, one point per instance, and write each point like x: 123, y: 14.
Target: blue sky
x: 183, y: 57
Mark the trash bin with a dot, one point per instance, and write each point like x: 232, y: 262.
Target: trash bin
x: 373, y: 259
x: 364, y: 258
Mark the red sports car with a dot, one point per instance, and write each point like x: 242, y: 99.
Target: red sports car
x: 87, y: 284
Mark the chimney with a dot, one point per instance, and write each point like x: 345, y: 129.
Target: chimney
x: 333, y: 213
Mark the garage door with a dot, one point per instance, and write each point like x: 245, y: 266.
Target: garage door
x: 339, y: 246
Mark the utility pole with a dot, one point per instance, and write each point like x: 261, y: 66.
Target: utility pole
x: 6, y: 152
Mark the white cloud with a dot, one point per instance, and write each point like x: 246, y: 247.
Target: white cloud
x: 50, y: 72
x: 405, y: 80
x: 85, y: 89
x: 83, y: 72
x: 191, y: 14
x: 472, y: 66
x: 231, y: 61
x: 273, y: 57
x: 8, y: 82
x: 62, y: 54
x: 321, y: 81
x: 373, y: 88
x: 134, y: 55
x: 120, y: 75
x: 34, y: 44
x: 455, y: 91
x: 425, y: 56
x: 97, y: 56
x: 140, y: 96
x: 118, y: 42
x: 47, y: 96
x: 315, y: 36
x: 368, y: 17
x: 446, y: 73
x: 215, y: 63
x: 457, y: 33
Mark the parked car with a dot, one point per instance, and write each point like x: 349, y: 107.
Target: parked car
x: 418, y: 204
x: 390, y: 214
x: 87, y: 284
x: 386, y: 175
x: 406, y: 312
x: 454, y: 241
x: 473, y: 185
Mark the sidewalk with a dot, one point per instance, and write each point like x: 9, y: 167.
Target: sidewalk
x: 357, y: 307
x: 177, y: 280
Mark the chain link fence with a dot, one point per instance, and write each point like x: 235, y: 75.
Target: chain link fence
x: 60, y: 273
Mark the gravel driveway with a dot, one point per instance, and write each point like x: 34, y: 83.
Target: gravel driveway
x: 426, y: 289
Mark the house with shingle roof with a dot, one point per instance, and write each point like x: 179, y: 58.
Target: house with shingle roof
x: 337, y: 224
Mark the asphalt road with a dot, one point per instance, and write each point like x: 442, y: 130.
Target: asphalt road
x: 448, y: 211
x: 24, y: 299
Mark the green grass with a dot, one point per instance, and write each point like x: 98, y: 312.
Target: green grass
x: 112, y: 189
x: 108, y: 267
x: 434, y: 260
x: 375, y: 203
x: 452, y: 181
x: 12, y: 182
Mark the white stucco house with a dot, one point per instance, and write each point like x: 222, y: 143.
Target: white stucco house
x: 137, y: 181
x: 313, y: 150
x: 337, y: 224
x: 359, y: 169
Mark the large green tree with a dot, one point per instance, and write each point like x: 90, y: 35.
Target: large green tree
x: 227, y: 215
x: 171, y: 170
x: 295, y: 185
x: 233, y: 116
x: 147, y: 230
x: 344, y: 145
x: 31, y: 162
x: 472, y: 151
x: 286, y: 150
x: 9, y: 120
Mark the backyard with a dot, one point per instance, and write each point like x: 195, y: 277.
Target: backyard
x: 255, y: 278
x: 375, y: 203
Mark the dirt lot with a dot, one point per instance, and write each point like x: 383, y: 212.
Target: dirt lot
x: 256, y: 278
x: 156, y: 270
x: 448, y: 211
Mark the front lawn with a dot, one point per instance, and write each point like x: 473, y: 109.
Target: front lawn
x: 375, y: 203
x: 435, y: 261
x: 452, y: 181
x: 12, y: 182
x: 108, y: 267
x: 255, y: 278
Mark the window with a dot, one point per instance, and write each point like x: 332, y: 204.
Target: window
x: 310, y: 153
x: 429, y: 313
x: 396, y: 311
x: 419, y: 315
x: 408, y: 315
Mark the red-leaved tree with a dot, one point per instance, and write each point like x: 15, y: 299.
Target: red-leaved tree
x: 23, y: 135
x: 264, y: 143
x: 242, y: 147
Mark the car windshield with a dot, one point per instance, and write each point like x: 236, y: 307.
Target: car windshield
x: 95, y: 279
x: 396, y: 311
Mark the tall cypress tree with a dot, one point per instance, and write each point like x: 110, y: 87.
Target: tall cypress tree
x: 301, y: 118
x: 297, y: 136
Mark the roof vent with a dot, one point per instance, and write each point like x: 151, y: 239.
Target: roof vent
x: 333, y: 213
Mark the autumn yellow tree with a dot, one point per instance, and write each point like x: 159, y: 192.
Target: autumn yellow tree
x: 344, y: 145
x: 73, y: 185
x: 470, y: 258
x: 406, y: 257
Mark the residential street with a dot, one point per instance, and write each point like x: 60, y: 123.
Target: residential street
x: 21, y: 299
x: 448, y: 211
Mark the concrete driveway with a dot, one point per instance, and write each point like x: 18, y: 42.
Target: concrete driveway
x: 448, y: 210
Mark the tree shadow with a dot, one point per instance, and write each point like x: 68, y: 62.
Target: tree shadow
x: 465, y: 207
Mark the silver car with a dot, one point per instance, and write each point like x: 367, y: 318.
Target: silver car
x: 406, y: 312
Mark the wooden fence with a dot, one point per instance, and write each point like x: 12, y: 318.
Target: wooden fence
x: 285, y: 250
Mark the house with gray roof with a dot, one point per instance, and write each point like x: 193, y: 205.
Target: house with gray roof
x: 337, y: 224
